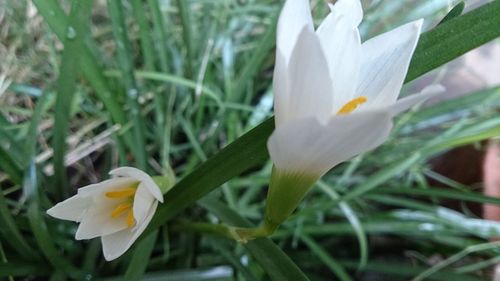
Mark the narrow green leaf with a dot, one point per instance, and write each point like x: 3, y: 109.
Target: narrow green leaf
x: 144, y: 31
x: 184, y: 11
x: 257, y: 58
x: 22, y: 269
x: 382, y: 176
x: 66, y: 88
x: 57, y: 20
x: 8, y: 164
x: 334, y: 266
x: 140, y: 259
x: 443, y: 193
x: 454, y: 38
x: 455, y: 12
x: 11, y: 234
x: 125, y: 62
x: 403, y: 270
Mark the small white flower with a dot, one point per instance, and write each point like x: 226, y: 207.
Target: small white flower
x: 117, y: 210
x: 335, y: 97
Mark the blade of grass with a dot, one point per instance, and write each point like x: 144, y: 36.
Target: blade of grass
x: 257, y: 58
x: 353, y: 219
x: 144, y: 32
x: 469, y: 250
x: 382, y: 176
x: 442, y: 193
x: 183, y: 6
x: 42, y: 235
x: 403, y: 270
x: 66, y: 89
x: 22, y: 269
x: 334, y: 266
x: 125, y: 61
x: 55, y: 17
x: 11, y: 234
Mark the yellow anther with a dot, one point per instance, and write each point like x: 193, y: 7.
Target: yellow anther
x: 121, y: 209
x: 122, y: 192
x: 130, y: 218
x: 352, y: 105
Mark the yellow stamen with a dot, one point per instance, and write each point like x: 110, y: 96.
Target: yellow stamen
x: 121, y: 209
x: 352, y: 105
x: 130, y: 218
x: 121, y: 193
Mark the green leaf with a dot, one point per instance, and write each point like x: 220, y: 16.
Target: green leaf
x: 455, y: 12
x: 66, y: 88
x: 11, y: 234
x: 443, y: 193
x: 22, y: 269
x: 140, y: 259
x: 125, y: 61
x: 325, y: 257
x: 454, y: 38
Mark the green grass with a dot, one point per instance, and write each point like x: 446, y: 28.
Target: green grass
x: 185, y: 84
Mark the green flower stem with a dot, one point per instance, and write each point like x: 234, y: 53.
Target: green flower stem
x: 286, y: 190
x: 216, y: 229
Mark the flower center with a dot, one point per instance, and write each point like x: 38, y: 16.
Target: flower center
x: 126, y: 207
x: 352, y: 105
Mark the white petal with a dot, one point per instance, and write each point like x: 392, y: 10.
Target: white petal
x: 72, y: 209
x: 310, y: 85
x: 350, y: 9
x: 140, y: 176
x: 280, y: 89
x: 116, y: 244
x: 143, y: 200
x: 407, y: 102
x: 98, y: 221
x: 384, y: 63
x: 295, y: 16
x: 307, y: 147
x: 342, y: 46
x: 100, y: 188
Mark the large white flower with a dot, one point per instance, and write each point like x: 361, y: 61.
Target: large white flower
x: 334, y: 97
x: 117, y: 210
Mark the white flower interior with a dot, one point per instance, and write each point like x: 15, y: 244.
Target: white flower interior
x: 124, y: 197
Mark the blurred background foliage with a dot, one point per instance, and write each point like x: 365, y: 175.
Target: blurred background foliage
x: 90, y: 85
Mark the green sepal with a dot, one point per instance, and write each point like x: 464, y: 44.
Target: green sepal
x: 165, y: 183
x: 286, y: 190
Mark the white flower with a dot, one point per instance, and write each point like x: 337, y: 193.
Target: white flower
x: 335, y: 97
x: 117, y: 210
